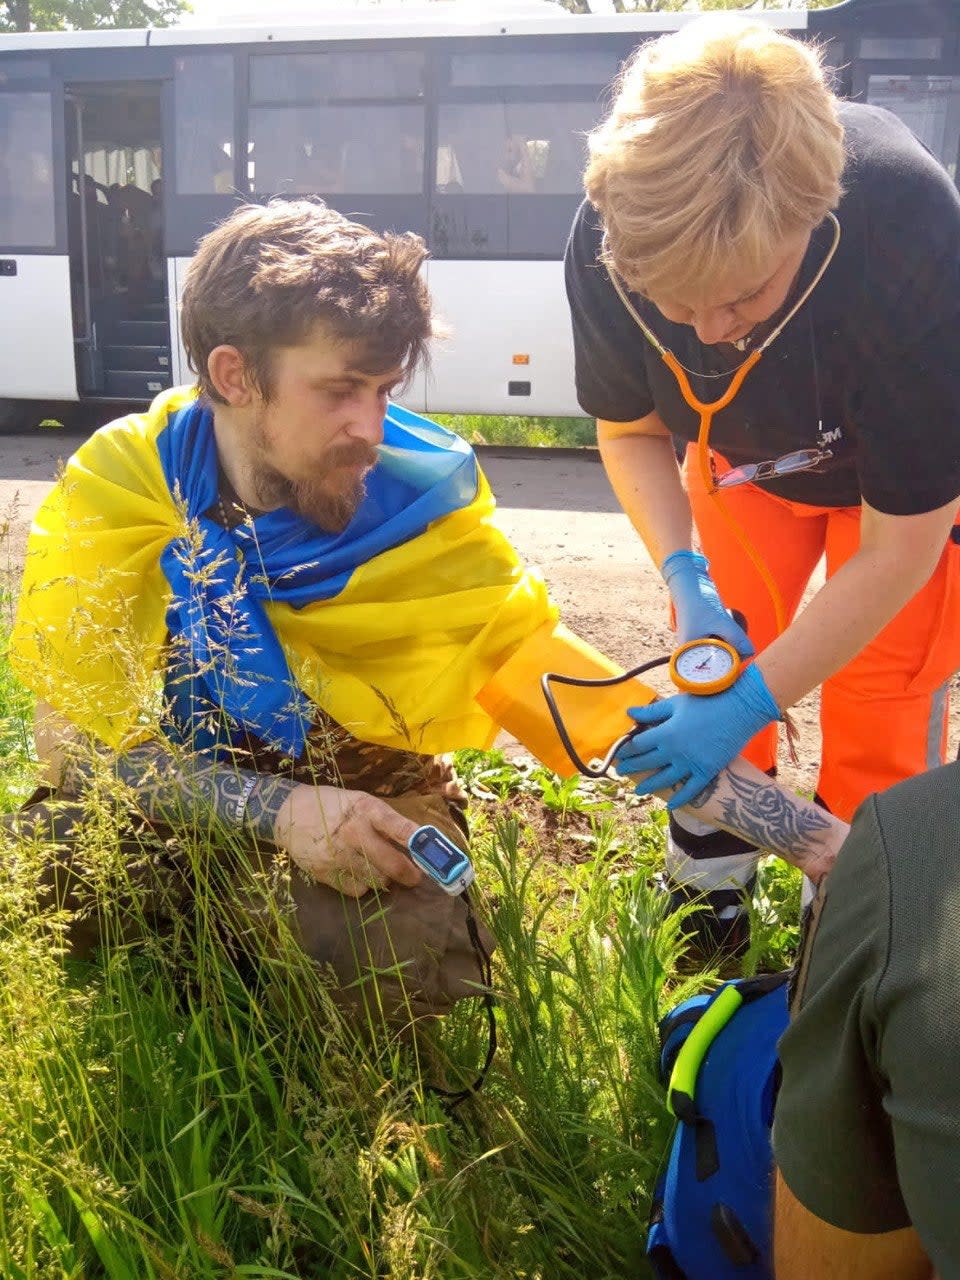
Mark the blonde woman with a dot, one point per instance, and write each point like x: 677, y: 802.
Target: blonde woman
x: 735, y: 206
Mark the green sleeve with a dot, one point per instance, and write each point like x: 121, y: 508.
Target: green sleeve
x: 832, y: 1138
x: 867, y: 1130
x: 919, y: 1005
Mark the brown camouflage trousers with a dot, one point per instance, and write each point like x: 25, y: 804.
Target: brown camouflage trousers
x: 400, y: 954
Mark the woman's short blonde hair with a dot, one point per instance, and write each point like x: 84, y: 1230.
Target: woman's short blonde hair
x: 723, y: 140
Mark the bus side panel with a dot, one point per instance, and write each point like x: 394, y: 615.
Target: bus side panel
x: 36, y: 355
x: 414, y: 396
x: 510, y: 348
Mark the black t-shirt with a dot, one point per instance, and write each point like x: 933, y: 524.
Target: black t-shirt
x: 880, y: 335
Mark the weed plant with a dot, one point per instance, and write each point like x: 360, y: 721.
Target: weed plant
x: 172, y: 1107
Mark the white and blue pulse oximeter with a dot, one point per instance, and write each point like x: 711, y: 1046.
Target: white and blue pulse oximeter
x: 440, y: 858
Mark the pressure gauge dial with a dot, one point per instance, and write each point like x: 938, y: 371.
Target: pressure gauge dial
x: 704, y: 666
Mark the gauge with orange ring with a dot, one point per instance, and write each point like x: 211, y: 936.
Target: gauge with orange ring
x: 704, y: 666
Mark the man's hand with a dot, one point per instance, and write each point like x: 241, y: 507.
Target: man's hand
x: 346, y: 839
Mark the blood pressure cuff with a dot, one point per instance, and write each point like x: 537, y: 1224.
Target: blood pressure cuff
x: 594, y: 718
x: 712, y: 1206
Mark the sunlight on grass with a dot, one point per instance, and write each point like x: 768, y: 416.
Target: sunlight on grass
x: 180, y: 1108
x: 511, y: 430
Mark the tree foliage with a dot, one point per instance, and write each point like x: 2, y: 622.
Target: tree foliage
x: 78, y: 15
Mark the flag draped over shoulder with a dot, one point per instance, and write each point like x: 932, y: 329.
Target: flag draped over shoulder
x: 391, y: 627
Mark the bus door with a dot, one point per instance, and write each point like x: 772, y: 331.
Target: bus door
x: 36, y: 349
x: 114, y: 137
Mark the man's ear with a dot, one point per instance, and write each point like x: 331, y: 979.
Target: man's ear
x: 227, y: 371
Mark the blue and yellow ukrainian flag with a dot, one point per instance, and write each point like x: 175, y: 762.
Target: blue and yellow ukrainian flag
x: 426, y: 637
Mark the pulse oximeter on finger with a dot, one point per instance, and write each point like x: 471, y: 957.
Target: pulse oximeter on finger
x: 441, y: 859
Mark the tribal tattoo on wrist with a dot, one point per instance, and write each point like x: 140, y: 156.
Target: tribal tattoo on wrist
x: 263, y: 805
x: 170, y: 791
x: 766, y: 814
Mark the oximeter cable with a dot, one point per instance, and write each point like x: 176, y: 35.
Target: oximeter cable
x: 453, y: 1098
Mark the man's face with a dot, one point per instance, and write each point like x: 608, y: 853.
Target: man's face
x: 312, y: 443
x: 734, y: 306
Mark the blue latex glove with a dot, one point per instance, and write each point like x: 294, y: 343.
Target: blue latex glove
x: 688, y: 738
x: 699, y: 609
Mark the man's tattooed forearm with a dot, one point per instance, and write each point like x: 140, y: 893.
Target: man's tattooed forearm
x: 708, y: 792
x: 175, y: 792
x: 264, y: 803
x: 771, y: 817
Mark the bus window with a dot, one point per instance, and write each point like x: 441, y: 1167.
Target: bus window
x: 512, y: 147
x: 21, y: 68
x: 329, y: 123
x: 929, y: 105
x: 324, y: 150
x: 203, y: 94
x: 549, y: 67
x: 324, y: 77
x: 903, y: 48
x: 26, y: 171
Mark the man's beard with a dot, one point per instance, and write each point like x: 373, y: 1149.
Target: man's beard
x: 330, y: 497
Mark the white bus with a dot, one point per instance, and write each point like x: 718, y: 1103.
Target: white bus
x: 118, y: 149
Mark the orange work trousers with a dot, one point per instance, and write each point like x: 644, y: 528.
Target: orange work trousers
x: 883, y: 716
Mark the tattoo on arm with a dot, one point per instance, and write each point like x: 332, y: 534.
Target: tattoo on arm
x: 264, y: 803
x: 175, y: 791
x: 767, y: 814
x: 707, y: 794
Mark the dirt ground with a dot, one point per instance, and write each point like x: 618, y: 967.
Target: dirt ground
x: 561, y: 514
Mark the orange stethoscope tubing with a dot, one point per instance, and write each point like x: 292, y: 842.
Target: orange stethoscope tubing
x: 707, y: 409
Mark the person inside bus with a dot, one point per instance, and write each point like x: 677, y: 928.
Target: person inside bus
x: 312, y: 576
x: 747, y: 235
x: 100, y: 246
x: 155, y: 228
x: 400, y: 162
x: 515, y: 172
x: 867, y: 1124
x: 317, y: 166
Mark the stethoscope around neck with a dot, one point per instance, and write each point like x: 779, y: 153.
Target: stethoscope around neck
x: 707, y: 409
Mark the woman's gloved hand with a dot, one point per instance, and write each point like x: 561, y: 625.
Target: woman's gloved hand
x: 689, y: 738
x: 697, y: 604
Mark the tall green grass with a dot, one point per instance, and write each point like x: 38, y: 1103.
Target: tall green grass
x: 172, y: 1110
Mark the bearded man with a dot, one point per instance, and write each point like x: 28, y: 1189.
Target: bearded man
x: 270, y: 606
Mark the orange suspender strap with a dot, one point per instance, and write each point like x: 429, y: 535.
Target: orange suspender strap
x: 594, y: 718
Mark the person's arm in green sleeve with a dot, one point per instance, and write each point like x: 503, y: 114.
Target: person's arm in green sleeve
x: 840, y: 1210
x: 805, y: 1246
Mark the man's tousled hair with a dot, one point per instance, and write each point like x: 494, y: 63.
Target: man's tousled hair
x: 270, y: 274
